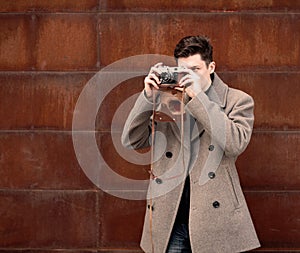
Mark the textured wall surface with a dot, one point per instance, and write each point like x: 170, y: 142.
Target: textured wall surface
x: 49, y: 50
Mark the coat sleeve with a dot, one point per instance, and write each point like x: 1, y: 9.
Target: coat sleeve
x: 231, y: 130
x: 137, y: 128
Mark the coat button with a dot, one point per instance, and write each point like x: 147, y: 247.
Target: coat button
x: 211, y: 147
x: 211, y: 175
x: 216, y: 204
x: 169, y: 154
x: 158, y: 180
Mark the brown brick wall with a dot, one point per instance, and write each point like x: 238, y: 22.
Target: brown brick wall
x: 49, y: 50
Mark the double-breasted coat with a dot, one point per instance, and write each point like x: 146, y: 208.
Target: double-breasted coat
x: 219, y: 219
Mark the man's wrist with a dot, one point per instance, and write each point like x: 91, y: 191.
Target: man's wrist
x: 194, y: 94
x: 148, y: 96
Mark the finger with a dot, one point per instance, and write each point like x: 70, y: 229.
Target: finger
x: 186, y: 83
x: 158, y: 64
x: 179, y: 89
x: 156, y: 71
x: 186, y: 70
x: 155, y: 68
x: 155, y: 77
x: 151, y: 82
x: 185, y: 77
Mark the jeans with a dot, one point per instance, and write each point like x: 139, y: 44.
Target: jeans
x: 179, y: 240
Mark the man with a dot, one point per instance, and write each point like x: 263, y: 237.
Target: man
x: 202, y: 209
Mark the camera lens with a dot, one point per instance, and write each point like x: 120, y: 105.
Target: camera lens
x: 168, y: 78
x: 165, y: 77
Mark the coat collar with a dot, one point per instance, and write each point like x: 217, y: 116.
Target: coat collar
x: 218, y: 90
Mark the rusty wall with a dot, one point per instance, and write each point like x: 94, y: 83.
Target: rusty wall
x: 49, y: 50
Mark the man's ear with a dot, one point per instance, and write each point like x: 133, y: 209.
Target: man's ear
x: 212, y: 67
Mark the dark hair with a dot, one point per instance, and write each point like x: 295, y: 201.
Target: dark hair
x: 192, y: 45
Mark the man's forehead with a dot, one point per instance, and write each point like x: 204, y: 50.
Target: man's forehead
x: 191, y: 61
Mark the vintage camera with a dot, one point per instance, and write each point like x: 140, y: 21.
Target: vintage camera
x: 169, y: 76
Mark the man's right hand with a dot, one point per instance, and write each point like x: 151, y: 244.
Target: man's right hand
x: 152, y: 81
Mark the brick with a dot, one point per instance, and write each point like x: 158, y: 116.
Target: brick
x: 48, y: 42
x: 119, y: 164
x: 15, y: 39
x: 199, y: 6
x: 241, y: 41
x: 48, y: 219
x: 271, y: 162
x: 276, y: 106
x: 112, y: 110
x: 66, y: 42
x: 121, y: 222
x: 40, y: 161
x: 48, y: 6
x: 104, y: 164
x: 39, y: 101
x: 275, y: 216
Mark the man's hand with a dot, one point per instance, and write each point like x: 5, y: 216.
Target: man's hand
x: 152, y: 81
x: 194, y: 83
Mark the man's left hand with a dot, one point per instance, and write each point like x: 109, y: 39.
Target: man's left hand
x: 194, y: 83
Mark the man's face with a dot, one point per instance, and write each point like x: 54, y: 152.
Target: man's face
x: 199, y: 66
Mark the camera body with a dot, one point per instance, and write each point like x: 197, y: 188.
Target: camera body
x: 169, y: 76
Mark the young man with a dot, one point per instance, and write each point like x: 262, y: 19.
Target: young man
x: 201, y: 209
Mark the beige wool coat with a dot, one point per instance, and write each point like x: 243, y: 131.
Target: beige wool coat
x: 219, y: 220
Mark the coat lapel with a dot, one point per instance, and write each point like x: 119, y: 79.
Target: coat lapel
x: 217, y: 92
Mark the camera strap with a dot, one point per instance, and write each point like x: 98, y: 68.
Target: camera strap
x: 152, y: 175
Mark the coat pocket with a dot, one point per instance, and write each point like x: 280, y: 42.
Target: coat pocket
x: 233, y: 188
